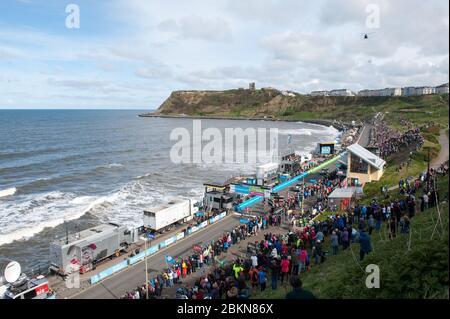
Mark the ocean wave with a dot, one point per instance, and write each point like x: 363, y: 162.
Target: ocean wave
x: 8, y: 192
x: 112, y: 165
x: 30, y: 153
x: 325, y: 130
x: 301, y: 131
x: 48, y: 210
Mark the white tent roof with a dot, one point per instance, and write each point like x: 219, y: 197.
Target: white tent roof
x: 367, y: 156
x: 342, y: 193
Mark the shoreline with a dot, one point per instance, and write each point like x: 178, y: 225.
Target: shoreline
x: 337, y: 124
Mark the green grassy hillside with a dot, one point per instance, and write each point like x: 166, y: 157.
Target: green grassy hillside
x: 271, y: 103
x: 413, y: 266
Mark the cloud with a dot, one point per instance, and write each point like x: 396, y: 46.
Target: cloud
x: 297, y: 46
x: 136, y: 51
x: 9, y: 53
x: 196, y: 27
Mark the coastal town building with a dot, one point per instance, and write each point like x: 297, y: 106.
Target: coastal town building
x: 393, y: 91
x: 252, y: 86
x: 342, y: 92
x: 320, y: 93
x: 425, y: 90
x: 363, y: 166
x: 288, y: 93
x: 381, y: 92
x: 409, y: 91
x: 369, y: 93
x: 442, y: 89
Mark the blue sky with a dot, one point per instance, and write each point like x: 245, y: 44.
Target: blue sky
x: 132, y: 53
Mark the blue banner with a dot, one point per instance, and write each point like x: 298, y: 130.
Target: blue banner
x: 241, y: 189
x: 170, y: 241
x: 108, y: 272
x: 193, y: 229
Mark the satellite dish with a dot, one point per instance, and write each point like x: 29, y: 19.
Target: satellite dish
x: 11, y: 271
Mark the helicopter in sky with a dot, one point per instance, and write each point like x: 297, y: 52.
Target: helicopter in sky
x: 366, y: 35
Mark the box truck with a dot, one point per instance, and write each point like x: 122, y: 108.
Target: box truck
x: 83, y: 250
x: 160, y: 218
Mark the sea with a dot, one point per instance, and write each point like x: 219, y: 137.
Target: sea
x: 73, y: 169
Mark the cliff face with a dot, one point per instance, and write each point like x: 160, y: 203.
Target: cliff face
x: 273, y: 104
x: 215, y: 102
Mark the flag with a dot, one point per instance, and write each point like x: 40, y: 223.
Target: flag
x: 169, y: 260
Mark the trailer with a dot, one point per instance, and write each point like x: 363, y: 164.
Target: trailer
x: 160, y: 218
x: 84, y: 250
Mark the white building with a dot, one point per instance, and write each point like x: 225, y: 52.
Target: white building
x: 425, y: 90
x: 442, y: 89
x: 391, y: 92
x: 381, y: 92
x: 369, y: 93
x: 342, y: 92
x: 320, y: 93
x: 288, y: 93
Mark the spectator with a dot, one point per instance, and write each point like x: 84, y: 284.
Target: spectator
x: 297, y: 290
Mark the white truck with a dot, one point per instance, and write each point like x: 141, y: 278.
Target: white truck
x: 160, y: 218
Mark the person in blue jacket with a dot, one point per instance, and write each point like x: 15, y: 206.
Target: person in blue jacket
x: 365, y: 243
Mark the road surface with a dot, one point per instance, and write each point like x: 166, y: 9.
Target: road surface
x: 443, y: 154
x: 114, y: 287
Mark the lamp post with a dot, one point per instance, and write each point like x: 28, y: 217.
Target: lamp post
x: 303, y: 194
x: 146, y: 266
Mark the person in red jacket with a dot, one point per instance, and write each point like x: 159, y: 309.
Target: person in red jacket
x: 284, y: 268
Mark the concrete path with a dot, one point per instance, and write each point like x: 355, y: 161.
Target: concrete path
x: 443, y: 154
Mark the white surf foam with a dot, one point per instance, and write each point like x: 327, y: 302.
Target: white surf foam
x: 8, y: 192
x: 32, y: 214
x: 111, y: 165
x: 323, y: 130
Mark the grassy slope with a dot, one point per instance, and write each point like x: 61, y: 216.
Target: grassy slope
x: 270, y: 103
x: 421, y: 272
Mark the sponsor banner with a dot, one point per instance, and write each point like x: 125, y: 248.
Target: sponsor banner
x: 214, y: 219
x: 170, y: 241
x: 240, y: 189
x: 108, y: 272
x: 152, y: 250
x: 222, y: 215
x: 193, y: 229
x: 203, y: 225
x: 257, y: 190
x: 180, y: 236
x: 162, y: 245
x: 135, y: 259
x: 244, y: 221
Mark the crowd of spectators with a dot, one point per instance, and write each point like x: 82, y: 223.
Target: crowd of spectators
x: 389, y: 141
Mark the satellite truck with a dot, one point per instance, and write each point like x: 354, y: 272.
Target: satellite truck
x: 16, y: 285
x: 82, y: 251
x: 161, y: 218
